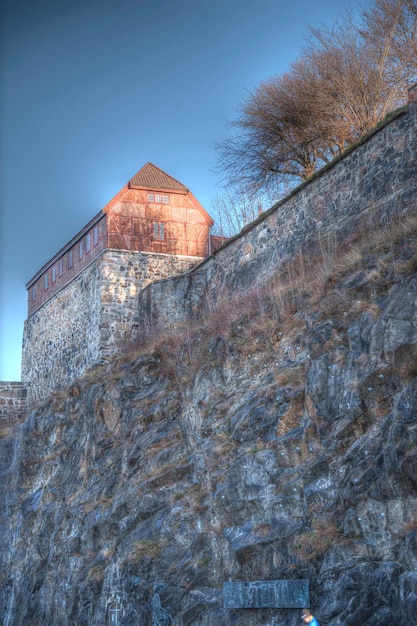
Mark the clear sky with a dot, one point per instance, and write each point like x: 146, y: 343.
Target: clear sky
x: 93, y: 89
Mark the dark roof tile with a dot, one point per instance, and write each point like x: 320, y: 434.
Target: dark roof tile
x: 152, y: 177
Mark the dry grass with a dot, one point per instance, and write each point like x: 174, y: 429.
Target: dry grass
x: 146, y: 548
x: 321, y: 536
x: 261, y: 529
x: 289, y: 421
x: 290, y: 376
x: 59, y: 452
x: 108, y: 552
x: 222, y: 445
x: 242, y: 324
x: 96, y: 573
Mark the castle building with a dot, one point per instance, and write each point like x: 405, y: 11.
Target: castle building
x: 82, y: 304
x: 88, y: 303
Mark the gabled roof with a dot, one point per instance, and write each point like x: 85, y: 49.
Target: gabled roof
x: 151, y: 177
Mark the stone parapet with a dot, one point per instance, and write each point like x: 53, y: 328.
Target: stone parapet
x: 369, y: 187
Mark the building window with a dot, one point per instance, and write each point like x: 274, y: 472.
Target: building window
x: 70, y: 259
x: 81, y: 248
x: 160, y: 198
x: 95, y: 235
x: 88, y: 242
x: 158, y: 231
x: 46, y: 281
x: 60, y: 267
x: 33, y: 292
x: 54, y: 273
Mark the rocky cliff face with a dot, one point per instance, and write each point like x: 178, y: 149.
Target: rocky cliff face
x: 276, y: 440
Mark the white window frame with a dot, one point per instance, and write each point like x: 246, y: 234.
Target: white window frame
x: 159, y: 231
x: 158, y: 198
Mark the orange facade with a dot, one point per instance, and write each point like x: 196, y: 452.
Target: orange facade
x: 152, y: 213
x: 165, y: 219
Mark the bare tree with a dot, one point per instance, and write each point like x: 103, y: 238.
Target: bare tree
x: 394, y: 22
x: 280, y: 134
x: 232, y: 210
x: 362, y: 74
x: 347, y: 80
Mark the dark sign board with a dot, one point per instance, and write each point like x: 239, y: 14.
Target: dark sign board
x: 282, y: 594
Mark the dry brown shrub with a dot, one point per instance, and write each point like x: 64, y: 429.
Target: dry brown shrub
x: 254, y: 321
x: 223, y: 444
x: 290, y: 420
x: 262, y: 529
x: 96, y: 573
x: 321, y: 536
x: 146, y: 548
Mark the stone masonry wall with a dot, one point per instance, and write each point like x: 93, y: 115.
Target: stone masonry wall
x: 123, y: 275
x: 373, y: 184
x: 61, y: 339
x: 13, y: 402
x: 91, y: 319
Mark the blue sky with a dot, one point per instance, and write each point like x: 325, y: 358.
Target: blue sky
x: 91, y: 90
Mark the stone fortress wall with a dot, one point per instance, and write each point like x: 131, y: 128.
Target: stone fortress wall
x: 95, y: 316
x: 12, y: 402
x: 91, y: 319
x: 371, y: 185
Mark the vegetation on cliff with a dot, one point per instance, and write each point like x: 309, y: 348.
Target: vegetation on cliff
x: 348, y: 77
x: 274, y: 439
